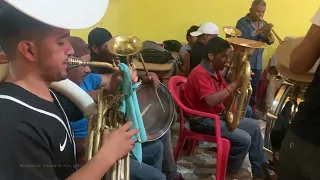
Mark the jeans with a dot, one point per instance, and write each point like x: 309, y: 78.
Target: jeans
x: 249, y: 112
x: 299, y: 159
x: 254, y: 83
x: 247, y: 138
x: 169, y: 167
x: 151, y: 165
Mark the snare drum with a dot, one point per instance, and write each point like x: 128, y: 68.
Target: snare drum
x: 156, y: 122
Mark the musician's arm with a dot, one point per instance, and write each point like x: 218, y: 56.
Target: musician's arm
x: 205, y: 90
x: 95, y: 168
x: 306, y: 54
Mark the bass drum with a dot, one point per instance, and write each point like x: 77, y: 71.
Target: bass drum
x: 156, y: 122
x: 289, y: 90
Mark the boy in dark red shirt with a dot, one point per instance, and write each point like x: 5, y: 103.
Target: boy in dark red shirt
x: 207, y: 91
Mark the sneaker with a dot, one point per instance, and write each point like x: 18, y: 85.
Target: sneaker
x: 242, y: 174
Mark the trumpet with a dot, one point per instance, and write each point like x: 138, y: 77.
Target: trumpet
x: 272, y: 33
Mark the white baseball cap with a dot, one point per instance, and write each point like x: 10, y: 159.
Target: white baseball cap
x: 206, y: 28
x: 66, y: 14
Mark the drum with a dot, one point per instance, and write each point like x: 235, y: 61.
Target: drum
x: 283, y: 54
x: 289, y: 90
x: 156, y: 122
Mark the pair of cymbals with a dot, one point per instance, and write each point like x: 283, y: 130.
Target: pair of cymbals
x: 235, y: 33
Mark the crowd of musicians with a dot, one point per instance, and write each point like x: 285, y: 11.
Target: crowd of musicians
x: 43, y: 134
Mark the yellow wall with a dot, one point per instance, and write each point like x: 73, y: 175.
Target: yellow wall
x: 169, y: 19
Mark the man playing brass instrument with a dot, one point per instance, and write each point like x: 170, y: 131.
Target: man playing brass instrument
x: 207, y: 91
x: 97, y: 40
x: 36, y: 140
x: 152, y: 152
x: 299, y: 154
x: 253, y: 27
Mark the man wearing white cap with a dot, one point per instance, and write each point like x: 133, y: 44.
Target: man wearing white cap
x: 205, y: 32
x: 36, y: 140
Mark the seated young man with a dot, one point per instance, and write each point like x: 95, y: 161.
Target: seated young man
x: 152, y: 152
x: 206, y: 90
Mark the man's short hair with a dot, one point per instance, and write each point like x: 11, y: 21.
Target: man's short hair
x: 190, y: 30
x: 79, y: 46
x: 16, y: 27
x: 217, y: 45
x: 98, y: 37
x: 258, y: 2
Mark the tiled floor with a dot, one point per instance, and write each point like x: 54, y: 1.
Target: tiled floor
x: 201, y: 165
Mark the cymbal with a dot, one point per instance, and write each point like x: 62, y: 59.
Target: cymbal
x: 246, y: 42
x: 124, y: 45
x: 232, y: 31
x: 283, y: 53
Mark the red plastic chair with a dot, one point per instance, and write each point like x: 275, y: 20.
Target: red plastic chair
x: 223, y: 145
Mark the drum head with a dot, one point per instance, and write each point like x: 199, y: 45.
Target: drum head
x: 283, y: 54
x: 156, y: 122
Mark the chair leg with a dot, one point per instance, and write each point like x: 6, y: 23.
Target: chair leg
x: 180, y: 144
x: 222, y: 158
x: 191, y: 146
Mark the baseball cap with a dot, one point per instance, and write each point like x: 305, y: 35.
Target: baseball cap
x: 65, y: 14
x: 79, y: 46
x: 206, y: 28
x: 99, y: 36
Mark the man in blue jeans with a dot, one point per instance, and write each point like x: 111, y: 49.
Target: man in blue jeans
x: 152, y: 152
x: 207, y: 91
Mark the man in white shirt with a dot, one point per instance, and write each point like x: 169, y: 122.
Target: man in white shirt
x: 191, y: 40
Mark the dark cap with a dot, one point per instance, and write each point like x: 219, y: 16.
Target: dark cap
x: 99, y: 36
x: 79, y: 46
x: 192, y: 29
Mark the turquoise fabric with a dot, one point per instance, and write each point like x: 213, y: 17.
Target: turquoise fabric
x: 130, y: 107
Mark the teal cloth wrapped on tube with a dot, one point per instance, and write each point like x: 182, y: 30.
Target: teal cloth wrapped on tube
x: 130, y: 107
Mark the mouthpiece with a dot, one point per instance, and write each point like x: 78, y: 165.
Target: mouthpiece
x: 74, y: 62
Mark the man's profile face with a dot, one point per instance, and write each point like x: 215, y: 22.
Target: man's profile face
x: 192, y: 39
x: 208, y: 37
x: 257, y: 12
x: 219, y: 60
x: 77, y: 75
x: 103, y: 53
x: 53, y: 51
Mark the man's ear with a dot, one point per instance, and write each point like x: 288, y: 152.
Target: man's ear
x: 210, y: 57
x: 28, y: 50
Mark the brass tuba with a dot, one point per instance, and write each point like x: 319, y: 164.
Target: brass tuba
x: 108, y: 116
x: 244, y: 48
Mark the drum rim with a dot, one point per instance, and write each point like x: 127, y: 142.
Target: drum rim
x: 167, y: 126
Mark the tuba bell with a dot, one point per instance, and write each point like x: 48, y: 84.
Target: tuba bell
x: 244, y: 48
